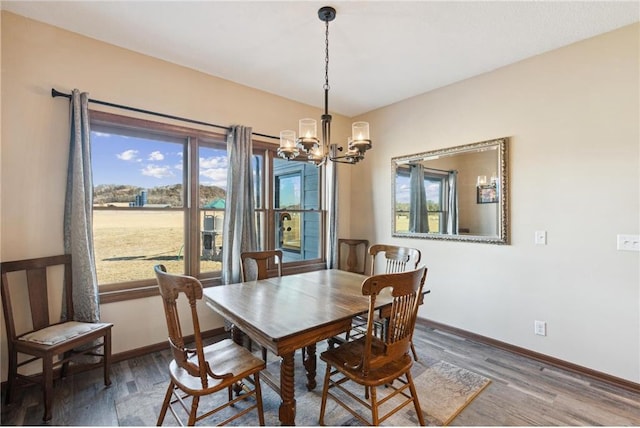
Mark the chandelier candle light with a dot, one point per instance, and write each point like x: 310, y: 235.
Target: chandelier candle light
x: 307, y: 142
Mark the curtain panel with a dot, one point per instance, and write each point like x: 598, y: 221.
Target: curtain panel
x: 78, y: 226
x: 239, y: 217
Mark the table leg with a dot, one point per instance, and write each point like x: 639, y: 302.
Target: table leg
x: 287, y: 411
x: 237, y: 335
x: 310, y: 366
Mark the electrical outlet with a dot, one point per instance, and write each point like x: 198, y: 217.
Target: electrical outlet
x: 540, y: 328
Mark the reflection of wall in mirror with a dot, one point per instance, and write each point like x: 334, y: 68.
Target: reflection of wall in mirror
x: 478, y: 219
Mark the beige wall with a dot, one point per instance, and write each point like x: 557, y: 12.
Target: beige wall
x: 35, y: 134
x: 572, y: 116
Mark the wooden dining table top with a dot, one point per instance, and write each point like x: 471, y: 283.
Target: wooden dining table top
x: 282, y: 307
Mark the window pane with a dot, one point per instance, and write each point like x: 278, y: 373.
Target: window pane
x: 128, y: 244
x: 297, y: 219
x: 136, y: 171
x: 136, y: 174
x: 302, y: 241
x: 211, y: 240
x: 212, y: 174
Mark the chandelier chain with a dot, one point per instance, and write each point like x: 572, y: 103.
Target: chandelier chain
x: 326, y: 56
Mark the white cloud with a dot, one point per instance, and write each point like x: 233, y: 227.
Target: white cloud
x: 157, y: 171
x: 213, y: 171
x: 128, y: 155
x: 214, y: 176
x: 156, y: 156
x: 213, y: 162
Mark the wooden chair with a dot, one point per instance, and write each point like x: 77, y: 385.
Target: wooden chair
x: 46, y: 340
x: 372, y: 362
x: 202, y: 370
x: 354, y: 257
x: 396, y: 259
x: 261, y: 262
x: 355, y: 261
x: 254, y: 266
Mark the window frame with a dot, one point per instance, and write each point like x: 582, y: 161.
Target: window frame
x: 195, y: 137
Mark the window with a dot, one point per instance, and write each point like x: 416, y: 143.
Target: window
x: 297, y: 202
x: 148, y: 175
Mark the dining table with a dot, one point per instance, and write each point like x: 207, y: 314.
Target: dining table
x: 287, y: 313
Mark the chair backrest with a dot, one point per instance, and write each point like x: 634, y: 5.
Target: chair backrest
x: 397, y: 259
x: 255, y: 264
x: 406, y: 288
x: 171, y: 286
x: 35, y: 271
x: 357, y: 253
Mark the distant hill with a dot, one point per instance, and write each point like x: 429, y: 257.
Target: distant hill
x: 104, y: 194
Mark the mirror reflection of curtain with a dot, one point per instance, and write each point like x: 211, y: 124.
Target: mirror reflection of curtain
x: 418, y: 218
x: 452, y: 218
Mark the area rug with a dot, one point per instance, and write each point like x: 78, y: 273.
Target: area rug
x: 444, y: 391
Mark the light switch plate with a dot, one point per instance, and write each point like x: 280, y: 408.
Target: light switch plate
x: 541, y: 237
x: 629, y: 242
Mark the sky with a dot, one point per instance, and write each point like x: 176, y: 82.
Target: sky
x: 119, y: 159
x: 403, y: 190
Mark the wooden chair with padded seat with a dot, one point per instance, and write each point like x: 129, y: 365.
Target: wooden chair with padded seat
x: 47, y: 340
x: 260, y: 261
x: 372, y: 362
x: 203, y: 370
x: 396, y: 259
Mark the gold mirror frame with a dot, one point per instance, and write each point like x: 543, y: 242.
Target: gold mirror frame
x: 502, y: 228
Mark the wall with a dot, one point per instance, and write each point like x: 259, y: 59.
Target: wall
x: 572, y: 118
x: 35, y: 133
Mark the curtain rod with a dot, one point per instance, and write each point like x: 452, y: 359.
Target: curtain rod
x: 55, y: 93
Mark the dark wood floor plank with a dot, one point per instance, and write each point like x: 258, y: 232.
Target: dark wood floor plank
x: 523, y: 391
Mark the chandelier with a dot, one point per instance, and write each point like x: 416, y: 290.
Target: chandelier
x: 318, y: 151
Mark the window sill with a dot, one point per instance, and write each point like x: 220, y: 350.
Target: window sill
x: 113, y: 293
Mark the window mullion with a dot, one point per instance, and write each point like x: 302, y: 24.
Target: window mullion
x: 192, y: 212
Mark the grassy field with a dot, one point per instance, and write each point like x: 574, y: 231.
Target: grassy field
x: 128, y: 244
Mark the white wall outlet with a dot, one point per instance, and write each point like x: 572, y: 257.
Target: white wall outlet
x: 541, y: 237
x: 629, y: 242
x: 540, y: 328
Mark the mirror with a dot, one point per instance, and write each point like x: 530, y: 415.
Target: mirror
x: 458, y: 193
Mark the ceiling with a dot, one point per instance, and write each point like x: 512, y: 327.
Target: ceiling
x: 380, y: 52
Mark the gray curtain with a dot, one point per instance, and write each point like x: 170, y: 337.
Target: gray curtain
x: 452, y: 219
x: 78, y: 226
x: 332, y: 213
x: 239, y: 232
x: 418, y: 216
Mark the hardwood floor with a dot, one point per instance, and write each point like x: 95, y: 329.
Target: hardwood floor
x: 522, y: 392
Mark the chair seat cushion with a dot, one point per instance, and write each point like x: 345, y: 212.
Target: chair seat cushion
x: 60, y: 332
